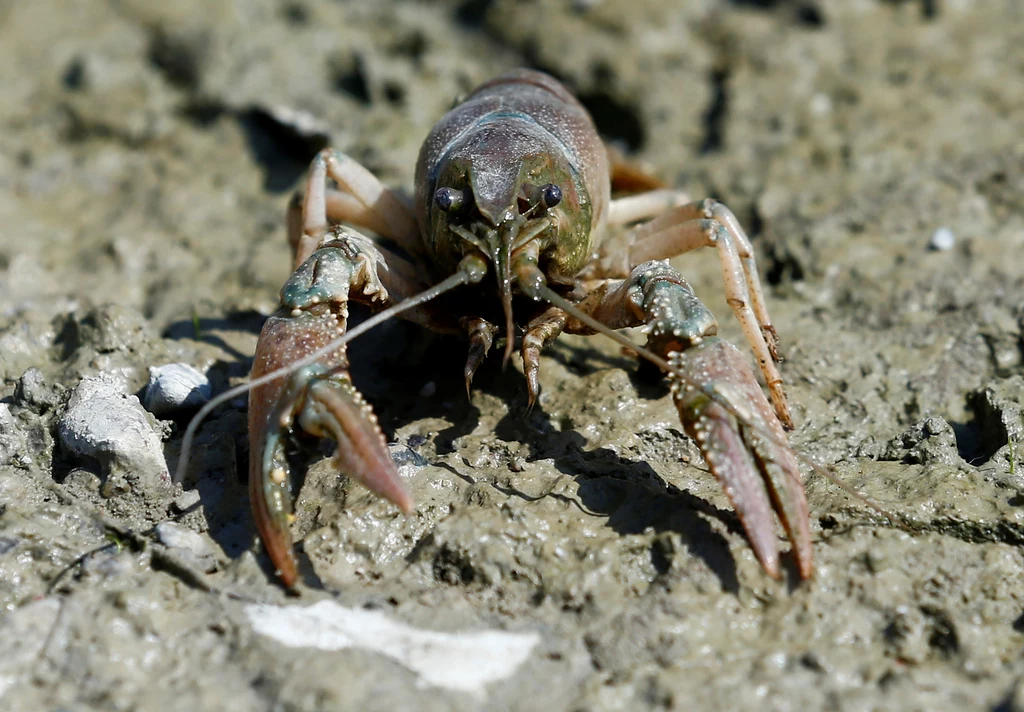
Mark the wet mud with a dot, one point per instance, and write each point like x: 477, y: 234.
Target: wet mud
x: 874, y: 151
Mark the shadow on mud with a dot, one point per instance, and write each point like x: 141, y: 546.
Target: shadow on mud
x: 630, y: 494
x: 389, y: 365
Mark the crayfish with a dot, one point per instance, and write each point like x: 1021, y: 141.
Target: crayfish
x: 514, y: 182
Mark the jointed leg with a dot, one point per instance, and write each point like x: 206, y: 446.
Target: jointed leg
x: 318, y: 399
x: 710, y: 224
x: 378, y: 277
x: 644, y: 206
x: 720, y: 404
x: 481, y: 336
x: 669, y: 235
x: 654, y: 295
x: 613, y: 260
x: 361, y: 199
x: 540, y: 332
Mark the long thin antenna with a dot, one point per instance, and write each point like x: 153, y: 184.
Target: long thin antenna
x: 463, y: 276
x: 549, y: 295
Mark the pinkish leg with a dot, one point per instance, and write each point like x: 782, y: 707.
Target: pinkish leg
x: 645, y: 206
x: 539, y: 333
x: 720, y: 404
x: 613, y: 260
x: 710, y: 224
x: 361, y: 199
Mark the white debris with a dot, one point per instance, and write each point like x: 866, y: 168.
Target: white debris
x: 105, y: 424
x: 186, y: 500
x: 302, y: 123
x: 465, y: 661
x: 821, y: 104
x: 188, y: 545
x: 942, y: 240
x: 175, y: 387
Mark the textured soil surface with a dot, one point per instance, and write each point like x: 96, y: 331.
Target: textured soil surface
x: 873, y: 149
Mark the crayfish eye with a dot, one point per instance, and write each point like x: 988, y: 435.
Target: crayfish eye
x: 448, y: 199
x: 550, y: 195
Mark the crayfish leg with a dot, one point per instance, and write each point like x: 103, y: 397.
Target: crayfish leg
x: 481, y: 336
x: 708, y: 223
x: 539, y: 333
x: 720, y: 403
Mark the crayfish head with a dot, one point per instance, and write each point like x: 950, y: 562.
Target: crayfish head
x: 501, y: 210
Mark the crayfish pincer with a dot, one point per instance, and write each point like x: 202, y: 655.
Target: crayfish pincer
x: 513, y: 208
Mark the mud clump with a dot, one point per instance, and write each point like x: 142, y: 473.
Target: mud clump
x: 928, y: 441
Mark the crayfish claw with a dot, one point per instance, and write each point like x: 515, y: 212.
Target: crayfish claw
x: 333, y: 408
x: 271, y: 499
x: 321, y: 401
x: 724, y: 410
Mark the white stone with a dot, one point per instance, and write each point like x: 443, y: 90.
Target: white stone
x: 105, y: 424
x: 942, y: 240
x: 175, y: 387
x: 465, y: 661
x: 188, y: 545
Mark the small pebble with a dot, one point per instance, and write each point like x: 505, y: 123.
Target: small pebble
x: 942, y: 240
x: 31, y: 389
x: 186, y: 501
x: 175, y: 388
x: 190, y: 547
x: 104, y: 424
x: 407, y: 460
x: 821, y: 104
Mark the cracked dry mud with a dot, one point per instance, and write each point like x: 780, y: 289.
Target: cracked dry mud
x: 146, y: 157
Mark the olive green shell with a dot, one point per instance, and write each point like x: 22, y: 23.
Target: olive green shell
x: 520, y: 128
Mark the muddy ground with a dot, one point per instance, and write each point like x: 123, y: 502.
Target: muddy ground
x: 145, y: 164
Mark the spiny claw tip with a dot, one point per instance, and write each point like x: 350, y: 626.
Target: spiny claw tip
x: 406, y: 504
